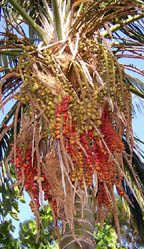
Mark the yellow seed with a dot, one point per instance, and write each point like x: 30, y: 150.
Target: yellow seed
x: 98, y: 122
x: 93, y: 117
x: 52, y: 112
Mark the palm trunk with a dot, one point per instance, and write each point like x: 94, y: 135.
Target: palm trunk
x: 133, y: 243
x: 82, y: 237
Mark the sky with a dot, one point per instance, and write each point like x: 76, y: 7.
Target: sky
x: 138, y: 126
x: 25, y: 210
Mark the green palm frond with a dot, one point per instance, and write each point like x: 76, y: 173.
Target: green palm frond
x: 135, y: 31
x: 137, y: 90
x: 136, y: 85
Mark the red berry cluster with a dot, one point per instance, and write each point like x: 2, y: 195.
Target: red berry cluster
x: 82, y: 157
x: 105, y: 195
x: 111, y: 138
x: 88, y: 152
x: 75, y: 144
x: 107, y: 168
x: 27, y: 170
x: 61, y: 116
x: 47, y: 196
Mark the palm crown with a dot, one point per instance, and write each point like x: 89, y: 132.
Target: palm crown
x: 71, y: 129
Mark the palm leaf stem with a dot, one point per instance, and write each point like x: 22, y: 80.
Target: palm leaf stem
x: 130, y: 56
x: 136, y: 92
x: 120, y: 25
x: 13, y: 52
x: 133, y: 69
x: 57, y: 20
x: 126, y: 44
x: 29, y: 20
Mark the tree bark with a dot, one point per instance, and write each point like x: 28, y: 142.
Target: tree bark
x: 82, y: 237
x: 133, y: 242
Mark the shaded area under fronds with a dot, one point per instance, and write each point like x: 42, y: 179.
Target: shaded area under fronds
x: 137, y: 163
x: 135, y: 209
x: 136, y: 174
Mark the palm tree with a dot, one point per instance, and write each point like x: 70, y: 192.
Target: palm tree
x: 73, y: 107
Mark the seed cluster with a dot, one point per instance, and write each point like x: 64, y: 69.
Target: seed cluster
x: 89, y: 153
x: 78, y: 110
x: 27, y: 174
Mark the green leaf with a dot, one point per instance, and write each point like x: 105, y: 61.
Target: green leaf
x: 14, y: 214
